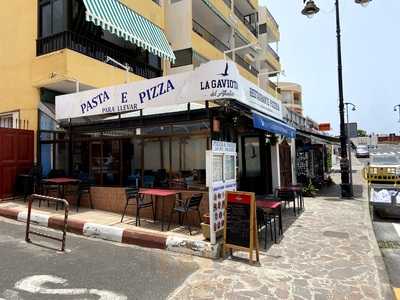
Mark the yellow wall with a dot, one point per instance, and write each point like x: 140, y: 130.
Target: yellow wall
x: 204, y: 48
x: 17, y: 49
x: 246, y: 74
x: 72, y: 64
x: 148, y: 9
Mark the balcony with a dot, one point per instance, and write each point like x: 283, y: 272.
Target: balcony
x: 272, y: 52
x: 240, y: 61
x: 246, y: 22
x: 97, y: 49
x: 272, y: 19
x: 208, y: 36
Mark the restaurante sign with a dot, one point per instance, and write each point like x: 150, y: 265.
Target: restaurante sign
x: 215, y: 80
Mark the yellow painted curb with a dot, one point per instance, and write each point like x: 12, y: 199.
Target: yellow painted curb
x: 397, y: 293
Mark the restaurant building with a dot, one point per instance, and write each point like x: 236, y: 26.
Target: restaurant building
x: 73, y: 46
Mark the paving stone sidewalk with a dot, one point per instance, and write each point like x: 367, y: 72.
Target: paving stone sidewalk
x: 329, y: 252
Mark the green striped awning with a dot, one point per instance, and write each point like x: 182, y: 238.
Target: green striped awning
x: 118, y: 19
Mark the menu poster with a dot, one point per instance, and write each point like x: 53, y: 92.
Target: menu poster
x: 229, y: 167
x: 217, y: 166
x: 220, y: 177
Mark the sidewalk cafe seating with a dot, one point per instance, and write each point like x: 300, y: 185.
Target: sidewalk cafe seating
x: 132, y: 194
x: 48, y: 188
x: 183, y: 207
x: 264, y: 220
x: 298, y: 190
x: 288, y: 196
x: 84, y: 188
x: 270, y: 214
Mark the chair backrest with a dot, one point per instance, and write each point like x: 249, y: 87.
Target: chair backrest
x: 194, y: 201
x: 284, y: 194
x: 148, y: 181
x: 131, y: 192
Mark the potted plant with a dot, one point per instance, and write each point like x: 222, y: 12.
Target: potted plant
x: 310, y: 190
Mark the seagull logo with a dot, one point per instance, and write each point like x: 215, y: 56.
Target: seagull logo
x: 226, y: 71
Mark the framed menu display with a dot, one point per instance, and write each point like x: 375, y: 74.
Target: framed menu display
x: 220, y: 177
x: 240, y: 231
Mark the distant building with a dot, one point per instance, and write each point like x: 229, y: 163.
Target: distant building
x: 292, y: 96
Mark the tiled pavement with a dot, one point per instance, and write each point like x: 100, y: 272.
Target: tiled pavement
x: 329, y: 252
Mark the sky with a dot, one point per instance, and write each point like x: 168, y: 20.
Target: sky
x: 371, y: 59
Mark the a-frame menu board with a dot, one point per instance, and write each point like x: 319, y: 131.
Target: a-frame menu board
x: 240, y: 231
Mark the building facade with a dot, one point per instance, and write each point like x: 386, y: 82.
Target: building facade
x: 65, y: 47
x: 291, y: 96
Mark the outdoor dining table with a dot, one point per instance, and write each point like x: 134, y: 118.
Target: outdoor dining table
x: 159, y: 193
x: 298, y: 191
x: 61, y: 182
x: 273, y: 204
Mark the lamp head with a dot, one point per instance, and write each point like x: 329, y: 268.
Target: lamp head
x: 363, y: 3
x: 354, y: 108
x: 310, y: 9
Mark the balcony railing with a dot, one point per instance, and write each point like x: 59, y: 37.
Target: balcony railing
x: 242, y: 17
x: 228, y: 3
x: 271, y: 17
x: 200, y: 30
x: 246, y: 65
x: 272, y: 51
x: 95, y: 49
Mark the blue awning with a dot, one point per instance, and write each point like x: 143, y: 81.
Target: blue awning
x: 274, y: 126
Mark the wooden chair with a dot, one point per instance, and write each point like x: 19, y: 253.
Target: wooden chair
x: 183, y: 207
x: 132, y: 194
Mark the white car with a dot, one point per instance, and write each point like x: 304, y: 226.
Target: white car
x: 362, y: 151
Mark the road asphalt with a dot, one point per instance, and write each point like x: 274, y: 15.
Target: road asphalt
x: 91, y: 269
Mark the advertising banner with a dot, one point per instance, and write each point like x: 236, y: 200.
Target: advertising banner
x: 215, y: 80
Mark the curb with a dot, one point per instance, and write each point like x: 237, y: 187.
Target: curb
x: 119, y: 235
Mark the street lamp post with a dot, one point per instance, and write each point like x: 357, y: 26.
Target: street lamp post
x: 309, y: 10
x: 397, y: 108
x: 347, y: 104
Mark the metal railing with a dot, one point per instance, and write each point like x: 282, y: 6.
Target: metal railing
x: 10, y: 122
x: 200, y: 30
x: 273, y: 52
x: 246, y: 65
x: 242, y: 17
x: 65, y: 223
x: 97, y: 49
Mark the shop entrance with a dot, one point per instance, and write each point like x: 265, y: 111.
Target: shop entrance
x: 285, y: 164
x: 256, y: 175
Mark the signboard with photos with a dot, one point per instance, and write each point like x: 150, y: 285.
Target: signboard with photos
x: 220, y: 177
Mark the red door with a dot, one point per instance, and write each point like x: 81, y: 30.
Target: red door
x: 16, y: 157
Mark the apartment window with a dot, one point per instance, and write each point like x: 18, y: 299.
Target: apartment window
x: 262, y: 28
x: 51, y: 17
x: 6, y: 121
x: 183, y: 57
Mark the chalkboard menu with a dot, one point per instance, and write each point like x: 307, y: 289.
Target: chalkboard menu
x: 240, y: 231
x: 238, y: 219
